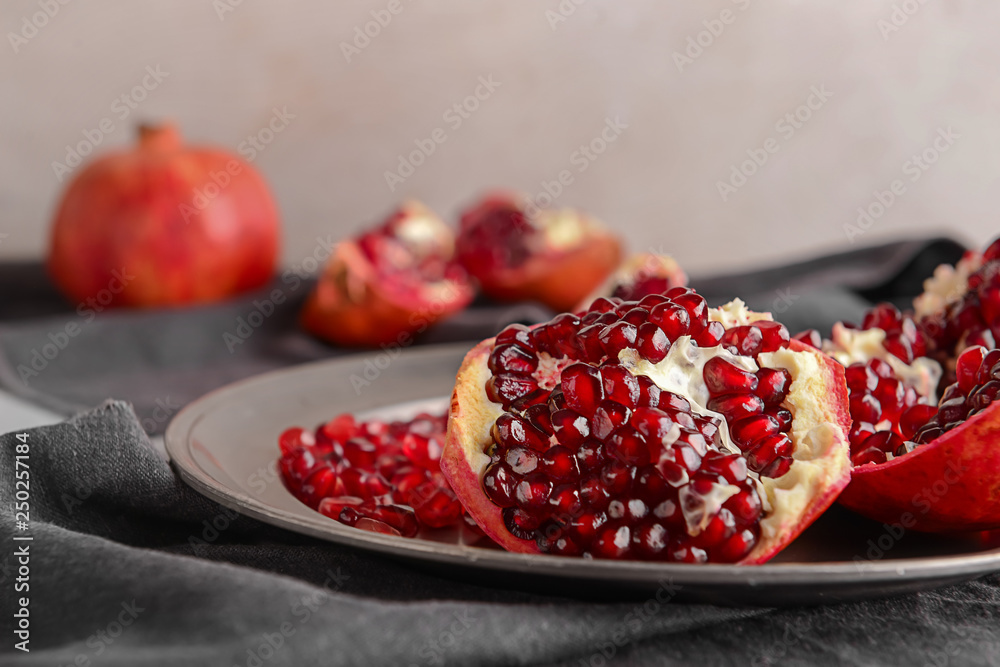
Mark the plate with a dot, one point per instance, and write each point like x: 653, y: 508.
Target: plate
x: 225, y: 446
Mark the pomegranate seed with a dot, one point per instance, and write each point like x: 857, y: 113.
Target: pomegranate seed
x: 540, y: 417
x: 507, y: 387
x: 560, y: 463
x: 861, y: 378
x: 722, y: 377
x: 374, y: 526
x: 734, y: 406
x: 514, y: 333
x: 617, y: 337
x: 570, y: 427
x: 439, y: 507
x: 589, y: 455
x: 869, y: 455
x: 672, y: 319
x: 520, y: 523
x: 532, y: 493
x: 748, y: 431
x: 498, y: 482
x: 628, y: 446
x: 914, y: 418
x: 696, y: 307
x: 293, y: 438
x: 608, y: 417
x: 512, y: 358
x: 612, y: 542
x: 711, y: 335
x: 988, y: 366
x: 953, y: 410
x: 582, y: 387
x: 653, y: 344
x: 649, y: 392
x: 513, y: 431
x: 967, y: 368
x: 881, y: 368
x: 620, y: 385
x: 521, y: 460
x: 866, y: 408
x: 744, y: 340
x: 773, y: 385
x: 810, y: 337
x: 767, y: 449
x: 650, y: 540
x: 883, y: 316
x: 782, y: 416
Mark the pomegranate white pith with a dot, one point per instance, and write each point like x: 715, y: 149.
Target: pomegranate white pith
x: 801, y: 489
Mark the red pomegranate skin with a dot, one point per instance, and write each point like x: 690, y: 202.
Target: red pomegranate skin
x: 163, y: 224
x: 950, y: 484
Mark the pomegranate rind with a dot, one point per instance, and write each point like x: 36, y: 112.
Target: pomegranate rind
x: 821, y: 468
x: 817, y: 476
x: 470, y: 418
x: 951, y: 484
x: 350, y: 307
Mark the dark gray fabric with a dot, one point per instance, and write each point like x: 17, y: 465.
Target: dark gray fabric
x: 119, y: 539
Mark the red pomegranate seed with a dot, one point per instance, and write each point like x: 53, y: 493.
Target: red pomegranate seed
x: 512, y: 358
x: 861, y: 378
x: 570, y: 427
x: 696, y: 307
x: 711, y: 335
x: 967, y: 368
x: 560, y: 463
x: 865, y: 407
x: 672, y: 319
x: 617, y: 337
x: 608, y: 417
x: 745, y: 340
x: 913, y: 418
x: 652, y: 343
x: 810, y: 337
x: 767, y: 450
x: 514, y: 333
x: 620, y: 385
x: 294, y: 438
x: 507, y: 387
x: 582, y: 387
x: 722, y: 377
x: 512, y: 431
x: 735, y: 406
x: 782, y: 416
x: 747, y: 432
x: 773, y: 385
x: 438, y: 508
x: 498, y: 482
x: 521, y: 460
x: 628, y: 446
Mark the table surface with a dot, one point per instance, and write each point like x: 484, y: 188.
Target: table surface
x: 17, y: 414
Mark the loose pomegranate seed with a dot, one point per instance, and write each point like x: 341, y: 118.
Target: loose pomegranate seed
x: 810, y: 337
x: 373, y: 475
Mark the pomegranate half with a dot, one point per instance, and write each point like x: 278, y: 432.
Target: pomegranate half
x: 930, y: 463
x: 163, y: 224
x: 655, y: 429
x: 556, y: 257
x: 390, y: 283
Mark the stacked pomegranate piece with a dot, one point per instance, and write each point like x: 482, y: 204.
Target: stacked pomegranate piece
x: 653, y: 429
x: 382, y: 477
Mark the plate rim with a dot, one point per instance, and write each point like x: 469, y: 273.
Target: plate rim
x: 178, y: 441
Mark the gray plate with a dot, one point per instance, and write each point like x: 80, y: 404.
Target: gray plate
x: 225, y: 446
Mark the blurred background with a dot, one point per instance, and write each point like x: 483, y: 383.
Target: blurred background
x: 833, y: 100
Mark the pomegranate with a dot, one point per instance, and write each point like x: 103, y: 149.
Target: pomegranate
x: 163, y: 224
x: 904, y: 440
x: 656, y: 429
x: 377, y: 476
x: 639, y: 275
x: 390, y: 283
x: 556, y: 257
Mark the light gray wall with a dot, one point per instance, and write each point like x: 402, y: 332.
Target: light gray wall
x: 558, y: 84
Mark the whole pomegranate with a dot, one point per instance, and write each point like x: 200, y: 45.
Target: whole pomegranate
x: 163, y: 224
x: 656, y: 429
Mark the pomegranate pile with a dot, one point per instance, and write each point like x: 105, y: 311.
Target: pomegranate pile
x: 377, y: 476
x: 654, y: 429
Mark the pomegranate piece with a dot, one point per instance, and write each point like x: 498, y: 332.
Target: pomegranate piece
x: 919, y: 440
x: 377, y: 476
x: 517, y: 252
x: 641, y: 275
x: 717, y: 453
x: 390, y: 283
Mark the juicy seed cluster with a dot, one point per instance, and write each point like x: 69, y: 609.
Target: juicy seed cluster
x: 975, y: 318
x: 903, y: 337
x: 591, y: 459
x: 886, y: 412
x: 977, y: 385
x: 372, y: 475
